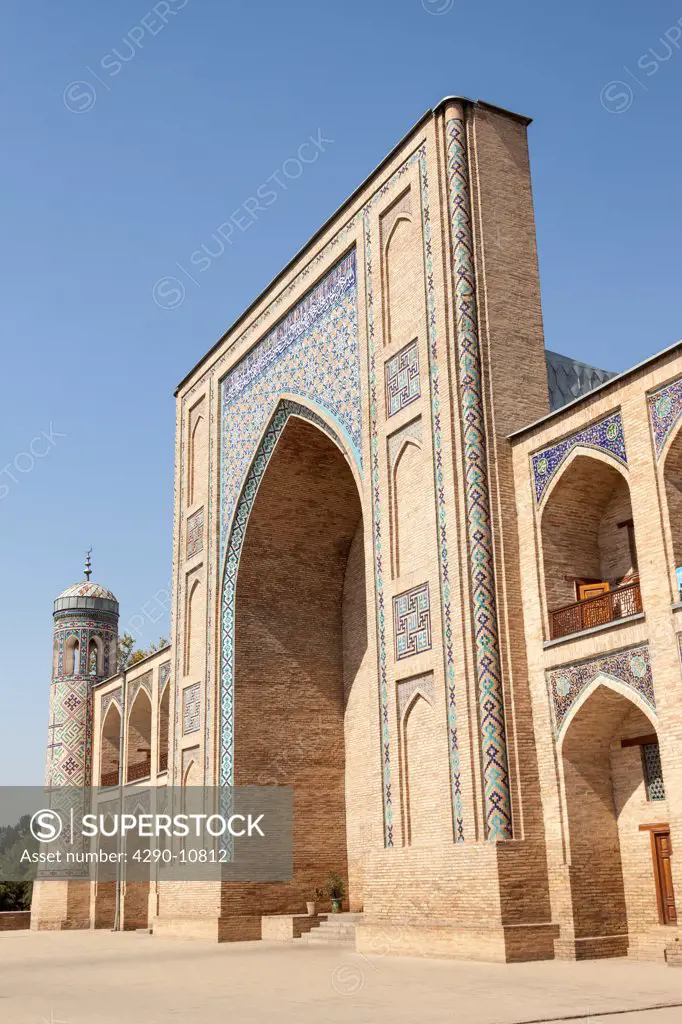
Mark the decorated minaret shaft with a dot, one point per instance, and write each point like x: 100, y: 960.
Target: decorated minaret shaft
x: 84, y: 653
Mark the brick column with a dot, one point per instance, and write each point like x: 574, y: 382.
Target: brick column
x: 497, y: 799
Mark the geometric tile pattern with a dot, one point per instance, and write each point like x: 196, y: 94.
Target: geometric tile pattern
x: 107, y: 699
x: 379, y: 600
x: 70, y: 732
x: 69, y: 745
x: 481, y: 565
x: 665, y: 409
x: 443, y: 555
x: 313, y: 353
x: 631, y: 666
x: 343, y: 239
x: 412, y: 622
x: 419, y: 157
x: 235, y: 542
x: 195, y: 533
x: 605, y: 436
x: 258, y: 412
x: 164, y: 673
x: 144, y: 681
x: 84, y: 629
x: 264, y: 408
x: 380, y: 604
x: 402, y: 379
x: 653, y: 772
x: 191, y: 708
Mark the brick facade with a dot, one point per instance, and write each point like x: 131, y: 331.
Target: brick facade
x: 594, y: 793
x: 375, y: 520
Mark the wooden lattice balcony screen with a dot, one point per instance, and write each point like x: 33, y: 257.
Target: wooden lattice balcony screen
x: 109, y: 779
x: 163, y: 761
x: 596, y: 611
x: 141, y: 770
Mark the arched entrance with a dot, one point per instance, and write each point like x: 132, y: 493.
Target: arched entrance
x: 301, y: 668
x: 591, y: 571
x: 110, y: 758
x: 672, y: 472
x: 139, y: 738
x: 615, y: 803
x: 164, y: 720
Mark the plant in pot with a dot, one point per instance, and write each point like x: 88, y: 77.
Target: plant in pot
x: 311, y: 905
x: 336, y: 890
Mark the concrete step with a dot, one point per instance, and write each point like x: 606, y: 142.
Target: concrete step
x: 337, y: 930
x: 284, y: 927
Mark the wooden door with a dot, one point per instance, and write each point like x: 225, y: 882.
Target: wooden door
x: 662, y: 850
x: 587, y: 590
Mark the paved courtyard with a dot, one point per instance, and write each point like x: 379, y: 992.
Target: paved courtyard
x: 93, y: 978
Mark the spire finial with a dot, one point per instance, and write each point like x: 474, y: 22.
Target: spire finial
x: 88, y: 564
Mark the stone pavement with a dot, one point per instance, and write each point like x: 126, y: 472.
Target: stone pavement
x: 102, y: 978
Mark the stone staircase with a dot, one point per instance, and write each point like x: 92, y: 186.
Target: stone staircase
x: 337, y: 930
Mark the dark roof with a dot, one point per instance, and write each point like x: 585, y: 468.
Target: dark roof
x: 569, y: 379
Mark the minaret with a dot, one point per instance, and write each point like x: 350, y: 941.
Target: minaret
x: 84, y: 653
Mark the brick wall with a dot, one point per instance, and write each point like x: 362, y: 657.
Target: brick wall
x: 15, y: 920
x: 362, y: 828
x: 600, y: 864
x: 289, y: 664
x: 634, y: 809
x: 420, y: 489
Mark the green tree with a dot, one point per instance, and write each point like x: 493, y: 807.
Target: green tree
x: 14, y: 839
x: 129, y: 655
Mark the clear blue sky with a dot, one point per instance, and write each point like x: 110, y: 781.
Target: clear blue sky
x: 101, y: 200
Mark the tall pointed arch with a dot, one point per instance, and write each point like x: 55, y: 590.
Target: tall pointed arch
x: 285, y: 409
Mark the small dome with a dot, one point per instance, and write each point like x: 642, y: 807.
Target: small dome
x: 86, y: 597
x: 87, y: 589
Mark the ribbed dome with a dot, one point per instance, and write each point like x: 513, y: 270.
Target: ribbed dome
x: 86, y: 588
x: 86, y: 597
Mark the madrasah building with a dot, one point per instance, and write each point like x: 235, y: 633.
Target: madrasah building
x: 425, y: 573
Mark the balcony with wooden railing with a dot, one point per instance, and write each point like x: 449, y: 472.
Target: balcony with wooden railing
x: 109, y: 778
x: 620, y: 603
x: 163, y: 761
x: 141, y: 770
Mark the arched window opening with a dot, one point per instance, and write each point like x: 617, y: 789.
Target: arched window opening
x: 139, y: 760
x: 71, y: 656
x: 109, y: 754
x: 653, y: 772
x: 164, y: 719
x: 589, y: 549
x: 95, y: 658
